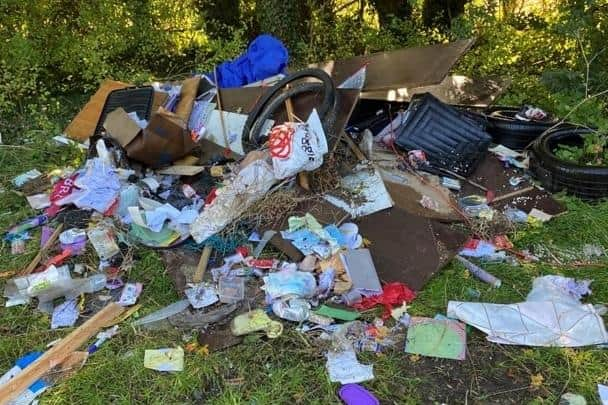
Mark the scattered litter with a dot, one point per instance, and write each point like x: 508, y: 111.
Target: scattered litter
x: 129, y: 294
x: 436, y: 338
x: 164, y: 359
x: 65, y: 314
x: 343, y: 367
x: 603, y: 393
x: 361, y: 271
x: 336, y: 313
x: 38, y: 201
x: 23, y: 178
x: 256, y: 321
x: 540, y: 215
x: 354, y: 394
x: 551, y: 316
x: 392, y: 294
x: 572, y: 399
x: 479, y: 272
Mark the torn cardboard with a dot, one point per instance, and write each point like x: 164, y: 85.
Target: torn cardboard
x: 83, y: 125
x: 409, y: 67
x: 163, y: 141
x: 454, y: 89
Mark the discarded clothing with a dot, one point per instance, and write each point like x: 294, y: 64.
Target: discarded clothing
x: 266, y: 56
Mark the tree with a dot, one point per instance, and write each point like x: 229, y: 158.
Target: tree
x: 439, y: 13
x: 387, y: 9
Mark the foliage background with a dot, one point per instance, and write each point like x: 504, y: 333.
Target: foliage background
x: 54, y: 53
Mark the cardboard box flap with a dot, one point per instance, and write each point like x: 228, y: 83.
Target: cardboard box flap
x: 121, y: 127
x: 83, y: 125
x: 409, y: 67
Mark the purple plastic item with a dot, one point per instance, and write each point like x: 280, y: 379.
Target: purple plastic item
x: 354, y: 394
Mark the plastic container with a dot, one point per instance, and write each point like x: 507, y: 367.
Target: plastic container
x: 479, y: 272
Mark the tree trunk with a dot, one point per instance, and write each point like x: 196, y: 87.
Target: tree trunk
x: 219, y: 15
x: 439, y: 13
x: 387, y: 9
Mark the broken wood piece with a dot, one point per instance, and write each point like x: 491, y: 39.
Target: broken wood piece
x: 304, y: 180
x: 513, y: 194
x: 182, y: 170
x: 459, y: 177
x: 353, y: 146
x: 202, y: 265
x: 47, y: 245
x: 58, y: 353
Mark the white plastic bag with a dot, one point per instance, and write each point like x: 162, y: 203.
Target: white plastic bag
x: 297, y: 147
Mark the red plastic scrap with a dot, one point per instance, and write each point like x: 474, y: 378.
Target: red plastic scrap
x: 211, y: 196
x: 392, y: 294
x: 502, y: 242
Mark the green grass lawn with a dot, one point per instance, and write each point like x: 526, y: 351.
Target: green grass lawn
x: 291, y: 369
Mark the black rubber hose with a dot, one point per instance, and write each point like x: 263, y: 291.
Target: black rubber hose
x: 555, y: 174
x: 329, y: 96
x: 277, y: 103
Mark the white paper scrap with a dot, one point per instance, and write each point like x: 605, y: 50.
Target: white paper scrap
x: 343, y: 367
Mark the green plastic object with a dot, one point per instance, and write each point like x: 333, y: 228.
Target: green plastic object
x: 337, y: 313
x: 436, y: 338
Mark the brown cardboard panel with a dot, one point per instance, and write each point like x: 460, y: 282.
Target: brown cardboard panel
x: 492, y: 174
x: 186, y: 98
x: 535, y: 198
x: 164, y: 140
x: 454, y: 89
x: 409, y: 248
x: 121, y: 127
x: 409, y: 67
x: 83, y: 125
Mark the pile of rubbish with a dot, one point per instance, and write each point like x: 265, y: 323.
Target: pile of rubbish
x: 291, y: 199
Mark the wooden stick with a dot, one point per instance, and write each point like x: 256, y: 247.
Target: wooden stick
x: 353, y: 146
x: 58, y: 353
x: 512, y: 194
x: 219, y: 107
x: 47, y: 245
x: 202, y: 264
x: 459, y: 177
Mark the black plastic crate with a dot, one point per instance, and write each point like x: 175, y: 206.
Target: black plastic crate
x: 131, y: 99
x: 451, y: 139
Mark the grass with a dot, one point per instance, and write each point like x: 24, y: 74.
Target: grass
x: 291, y: 369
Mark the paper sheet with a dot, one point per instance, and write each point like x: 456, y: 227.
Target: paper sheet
x: 164, y: 359
x: 361, y: 271
x: 201, y: 296
x: 65, y: 314
x: 343, y: 367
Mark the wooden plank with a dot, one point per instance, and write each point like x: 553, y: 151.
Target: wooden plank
x: 178, y: 170
x: 58, y: 353
x: 202, y: 264
x: 47, y: 245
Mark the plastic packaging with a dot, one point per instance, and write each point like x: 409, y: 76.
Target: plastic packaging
x: 102, y: 239
x: 255, y: 321
x: 289, y: 282
x: 479, y: 272
x: 296, y: 310
x: 231, y: 289
x: 163, y: 313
